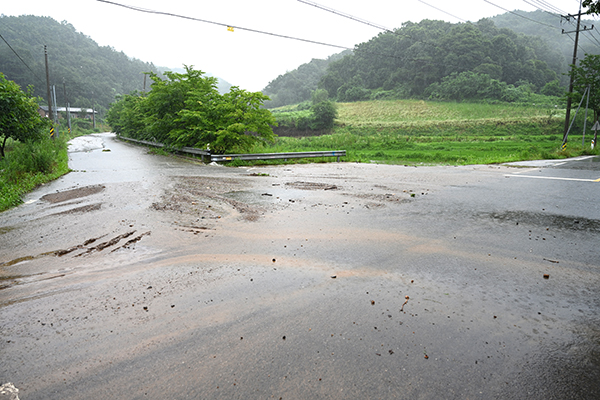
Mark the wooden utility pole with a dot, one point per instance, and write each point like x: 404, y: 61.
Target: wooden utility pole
x: 569, y: 100
x: 67, y: 105
x: 48, y: 83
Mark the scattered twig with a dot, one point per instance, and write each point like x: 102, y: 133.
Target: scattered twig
x: 405, y: 301
x: 552, y: 261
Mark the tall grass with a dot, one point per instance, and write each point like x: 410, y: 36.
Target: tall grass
x: 386, y: 113
x: 412, y: 131
x: 28, y: 165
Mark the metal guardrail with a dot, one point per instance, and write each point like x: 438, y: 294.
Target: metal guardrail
x: 246, y: 157
x: 190, y: 150
x: 275, y: 156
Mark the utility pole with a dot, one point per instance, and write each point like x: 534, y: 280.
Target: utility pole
x: 48, y: 83
x: 55, y: 108
x: 68, y: 106
x: 569, y: 100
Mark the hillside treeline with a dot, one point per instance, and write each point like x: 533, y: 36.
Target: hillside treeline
x: 297, y: 86
x: 441, y: 60
x: 411, y: 59
x: 549, y: 27
x: 92, y: 75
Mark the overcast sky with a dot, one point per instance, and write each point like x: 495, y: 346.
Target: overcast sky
x: 244, y: 58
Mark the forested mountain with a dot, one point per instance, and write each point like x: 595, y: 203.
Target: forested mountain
x: 549, y: 27
x: 296, y: 86
x: 92, y: 75
x: 421, y: 59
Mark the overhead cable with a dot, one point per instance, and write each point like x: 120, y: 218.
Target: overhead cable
x: 19, y: 57
x: 439, y: 9
x: 519, y: 15
x: 231, y: 27
x: 544, y: 5
x: 331, y: 10
x: 537, y: 6
x: 362, y: 21
x: 228, y: 26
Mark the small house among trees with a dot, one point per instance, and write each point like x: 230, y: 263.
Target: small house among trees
x: 75, y: 112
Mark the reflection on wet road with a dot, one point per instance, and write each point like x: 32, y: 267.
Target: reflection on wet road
x: 143, y: 276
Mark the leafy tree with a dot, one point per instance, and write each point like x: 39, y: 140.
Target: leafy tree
x: 319, y: 95
x: 19, y: 118
x: 186, y: 109
x: 584, y: 75
x: 324, y: 113
x: 553, y: 88
x: 242, y: 122
x: 592, y: 5
x: 466, y: 85
x: 296, y: 86
x: 125, y: 116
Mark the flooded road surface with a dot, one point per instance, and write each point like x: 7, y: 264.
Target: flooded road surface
x: 143, y: 276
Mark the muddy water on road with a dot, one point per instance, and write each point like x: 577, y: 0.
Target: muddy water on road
x: 141, y: 276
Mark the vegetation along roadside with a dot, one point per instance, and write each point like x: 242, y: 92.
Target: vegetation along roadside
x: 28, y: 155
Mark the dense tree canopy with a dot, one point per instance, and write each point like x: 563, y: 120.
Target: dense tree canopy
x: 296, y: 86
x: 411, y: 59
x: 593, y: 6
x: 587, y: 73
x: 418, y: 59
x: 188, y: 110
x: 19, y: 118
x: 93, y: 75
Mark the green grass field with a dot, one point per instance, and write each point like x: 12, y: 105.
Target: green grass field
x: 421, y: 132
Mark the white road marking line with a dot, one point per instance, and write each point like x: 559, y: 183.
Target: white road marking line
x: 529, y: 170
x: 552, y: 178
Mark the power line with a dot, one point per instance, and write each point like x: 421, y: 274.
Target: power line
x: 537, y: 6
x: 592, y: 35
x: 439, y: 9
x: 19, y: 57
x: 242, y: 28
x: 362, y: 21
x: 519, y: 15
x: 584, y: 30
x: 340, y: 13
x: 544, y: 5
x: 145, y: 10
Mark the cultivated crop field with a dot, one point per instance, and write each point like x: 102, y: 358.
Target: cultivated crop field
x: 414, y: 132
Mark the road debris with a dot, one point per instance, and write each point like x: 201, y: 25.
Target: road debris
x: 405, y: 301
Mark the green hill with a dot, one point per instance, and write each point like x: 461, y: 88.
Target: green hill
x: 91, y: 75
x: 420, y: 60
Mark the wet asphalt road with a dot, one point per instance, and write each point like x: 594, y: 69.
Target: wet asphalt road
x: 143, y: 276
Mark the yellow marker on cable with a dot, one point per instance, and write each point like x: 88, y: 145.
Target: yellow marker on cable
x: 230, y: 28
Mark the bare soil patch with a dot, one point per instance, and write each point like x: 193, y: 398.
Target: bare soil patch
x: 312, y: 186
x: 199, y: 199
x: 71, y: 194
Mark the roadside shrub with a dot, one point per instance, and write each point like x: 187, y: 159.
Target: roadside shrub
x: 31, y: 158
x: 81, y: 123
x: 323, y: 115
